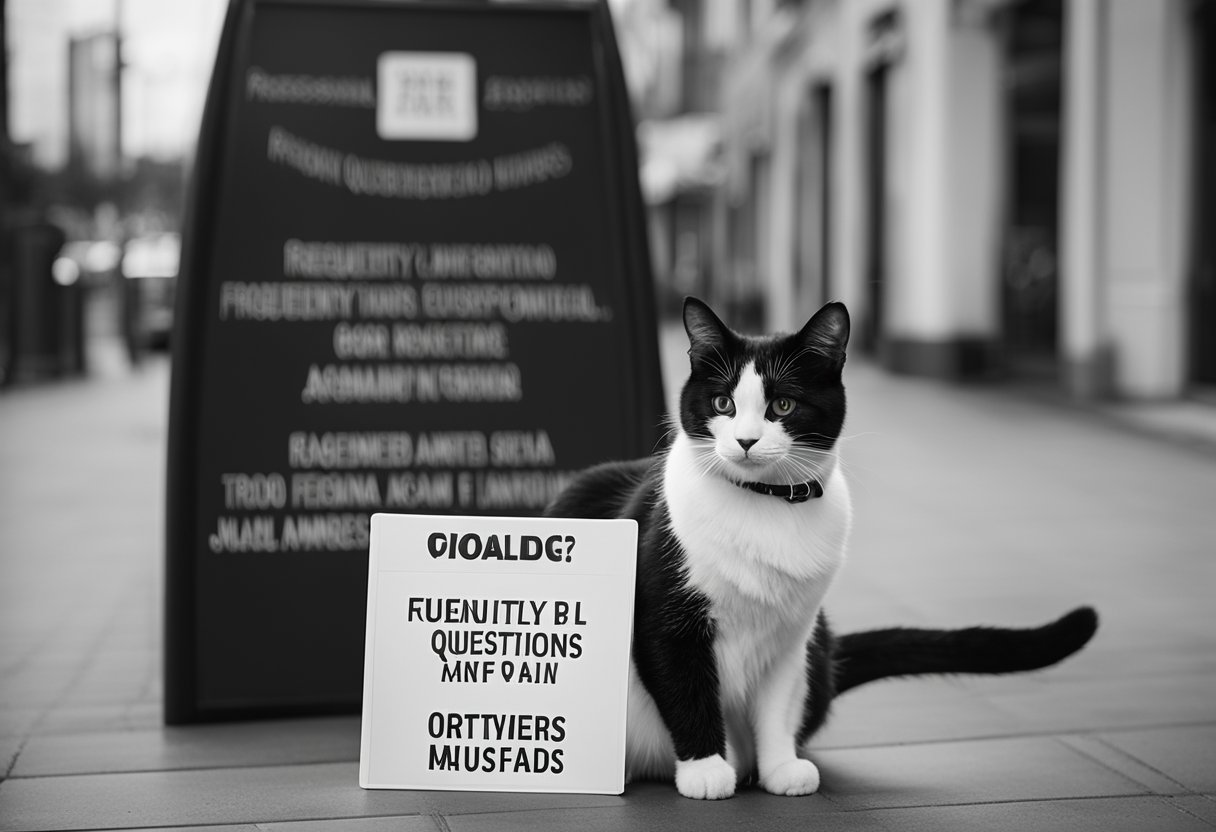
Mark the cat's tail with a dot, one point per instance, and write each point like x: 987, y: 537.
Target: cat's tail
x: 878, y: 654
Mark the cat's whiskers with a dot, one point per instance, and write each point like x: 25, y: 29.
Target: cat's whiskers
x: 706, y: 459
x: 846, y: 436
x: 825, y: 459
x: 812, y: 449
x: 826, y: 453
x: 815, y: 435
x: 671, y: 426
x: 800, y: 465
x: 707, y: 464
x: 803, y: 469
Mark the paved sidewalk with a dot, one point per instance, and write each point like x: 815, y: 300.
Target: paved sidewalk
x: 972, y: 505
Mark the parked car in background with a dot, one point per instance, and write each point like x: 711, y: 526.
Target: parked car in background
x: 149, y: 268
x: 90, y: 261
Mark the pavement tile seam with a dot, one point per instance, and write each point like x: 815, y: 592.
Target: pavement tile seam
x: 436, y: 818
x: 1124, y: 764
x: 1186, y: 810
x: 1095, y: 798
x: 12, y: 762
x: 353, y: 824
x: 227, y: 827
x: 181, y: 769
x: 372, y: 823
x: 437, y: 815
x: 440, y: 822
x: 437, y: 821
x: 1010, y: 735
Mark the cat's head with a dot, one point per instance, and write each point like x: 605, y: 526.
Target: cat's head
x: 766, y: 409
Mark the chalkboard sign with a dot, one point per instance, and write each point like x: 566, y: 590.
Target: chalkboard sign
x: 415, y: 281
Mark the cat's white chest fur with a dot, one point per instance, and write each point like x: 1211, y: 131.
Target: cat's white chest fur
x: 753, y: 549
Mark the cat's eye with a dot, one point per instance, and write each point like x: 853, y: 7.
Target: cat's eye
x: 724, y: 405
x: 783, y: 407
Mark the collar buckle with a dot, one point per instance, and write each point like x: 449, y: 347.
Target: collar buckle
x: 795, y: 497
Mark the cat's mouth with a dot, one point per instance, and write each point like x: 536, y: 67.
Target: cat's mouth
x: 738, y: 464
x: 749, y: 466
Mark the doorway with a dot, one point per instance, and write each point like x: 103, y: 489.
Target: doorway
x: 877, y: 83
x: 1203, y: 282
x: 823, y: 110
x: 812, y: 243
x: 1030, y: 277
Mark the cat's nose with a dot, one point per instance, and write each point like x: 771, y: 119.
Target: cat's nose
x: 746, y: 444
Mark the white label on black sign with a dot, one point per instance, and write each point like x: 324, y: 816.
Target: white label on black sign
x: 426, y: 96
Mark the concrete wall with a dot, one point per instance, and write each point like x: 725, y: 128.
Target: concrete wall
x: 942, y: 205
x: 1145, y: 224
x: 1125, y: 189
x: 1126, y: 218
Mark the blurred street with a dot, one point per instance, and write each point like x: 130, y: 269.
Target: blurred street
x: 973, y: 505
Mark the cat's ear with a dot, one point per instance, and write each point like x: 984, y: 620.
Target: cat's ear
x: 827, y: 333
x: 705, y: 330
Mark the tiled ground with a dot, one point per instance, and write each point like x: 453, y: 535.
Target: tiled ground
x: 973, y: 505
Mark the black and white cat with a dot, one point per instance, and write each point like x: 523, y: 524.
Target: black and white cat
x: 743, y: 524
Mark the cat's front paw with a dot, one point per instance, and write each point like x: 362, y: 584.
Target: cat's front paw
x: 709, y: 778
x: 792, y: 778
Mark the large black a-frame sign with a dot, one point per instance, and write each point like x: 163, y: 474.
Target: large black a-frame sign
x: 415, y: 280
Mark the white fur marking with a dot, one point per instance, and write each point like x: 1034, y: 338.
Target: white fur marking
x: 709, y: 778
x: 794, y: 777
x: 750, y: 406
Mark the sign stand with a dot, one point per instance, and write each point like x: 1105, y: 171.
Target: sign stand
x: 415, y: 279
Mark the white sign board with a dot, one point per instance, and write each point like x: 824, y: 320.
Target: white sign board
x: 497, y: 653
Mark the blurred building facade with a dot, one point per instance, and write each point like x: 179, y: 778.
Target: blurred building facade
x: 992, y: 186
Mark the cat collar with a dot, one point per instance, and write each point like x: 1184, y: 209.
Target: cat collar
x: 797, y: 493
